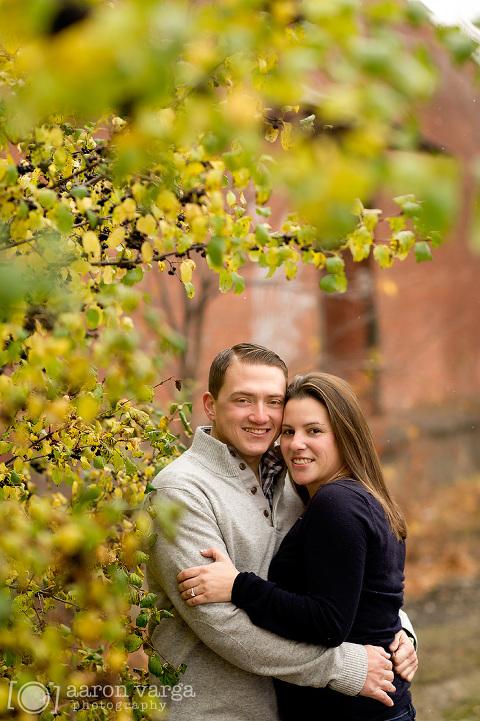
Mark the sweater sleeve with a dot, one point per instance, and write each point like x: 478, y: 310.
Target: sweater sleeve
x: 332, y: 552
x: 227, y: 630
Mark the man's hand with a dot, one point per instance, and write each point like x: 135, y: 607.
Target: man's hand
x: 379, y: 676
x: 404, y: 657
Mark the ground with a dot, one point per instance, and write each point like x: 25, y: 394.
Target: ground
x: 447, y: 622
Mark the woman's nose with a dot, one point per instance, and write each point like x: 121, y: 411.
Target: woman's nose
x: 297, y: 442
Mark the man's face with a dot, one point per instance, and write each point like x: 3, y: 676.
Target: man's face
x: 248, y: 411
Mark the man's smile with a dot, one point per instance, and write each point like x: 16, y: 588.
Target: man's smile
x: 257, y: 431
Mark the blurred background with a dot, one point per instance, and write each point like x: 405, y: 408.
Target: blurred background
x: 408, y: 339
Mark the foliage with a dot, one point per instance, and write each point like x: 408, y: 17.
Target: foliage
x: 134, y: 138
x: 443, y: 535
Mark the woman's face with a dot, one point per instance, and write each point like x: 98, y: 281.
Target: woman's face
x: 308, y: 444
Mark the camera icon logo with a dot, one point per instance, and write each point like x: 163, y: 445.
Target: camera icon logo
x: 33, y: 697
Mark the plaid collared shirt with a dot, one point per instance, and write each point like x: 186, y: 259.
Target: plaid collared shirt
x: 269, y: 469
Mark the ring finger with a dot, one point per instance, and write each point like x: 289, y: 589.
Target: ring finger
x: 189, y: 593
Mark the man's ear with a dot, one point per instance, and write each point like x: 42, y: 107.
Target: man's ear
x: 209, y: 406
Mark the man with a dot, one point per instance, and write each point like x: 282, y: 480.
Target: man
x: 237, y: 498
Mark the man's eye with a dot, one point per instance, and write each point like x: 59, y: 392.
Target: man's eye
x: 276, y: 403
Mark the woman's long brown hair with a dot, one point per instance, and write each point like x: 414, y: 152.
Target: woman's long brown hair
x: 354, y: 438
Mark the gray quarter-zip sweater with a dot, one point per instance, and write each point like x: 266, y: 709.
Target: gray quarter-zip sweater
x: 229, y: 660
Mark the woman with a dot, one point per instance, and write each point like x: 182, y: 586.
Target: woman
x: 338, y: 574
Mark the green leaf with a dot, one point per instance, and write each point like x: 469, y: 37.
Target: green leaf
x: 155, y: 666
x: 135, y: 580
x: 11, y: 175
x: 225, y: 280
x: 22, y: 212
x: 412, y: 210
x: 92, y: 218
x: 132, y: 276
x: 262, y: 234
x: 57, y: 476
x: 238, y: 283
x: 190, y: 289
x: 130, y: 467
x: 436, y: 239
x: 79, y: 191
x: 145, y: 393
x: 64, y: 219
x: 422, y: 251
x: 46, y: 197
x: 328, y: 283
x: 215, y: 251
x: 383, y: 256
x: 92, y: 317
x: 142, y: 620
x: 460, y: 45
x: 148, y: 601
x: 15, y: 479
x: 133, y: 642
x: 335, y: 264
x: 402, y: 199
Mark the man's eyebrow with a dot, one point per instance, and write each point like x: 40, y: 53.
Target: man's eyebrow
x: 251, y: 395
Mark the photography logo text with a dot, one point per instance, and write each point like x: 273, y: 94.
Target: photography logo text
x: 34, y: 697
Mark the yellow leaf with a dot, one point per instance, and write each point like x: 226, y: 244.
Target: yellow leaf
x: 318, y: 259
x: 290, y: 269
x: 108, y: 274
x: 272, y: 256
x: 187, y: 267
x: 271, y: 134
x: 286, y: 136
x: 147, y: 252
x: 168, y: 202
x: 87, y: 408
x: 147, y: 224
x: 199, y: 228
x: 91, y: 245
x: 18, y: 465
x: 88, y: 626
x: 116, y: 237
x: 214, y: 180
x: 80, y: 266
x: 119, y: 214
x: 19, y: 229
x: 130, y: 206
x: 231, y: 198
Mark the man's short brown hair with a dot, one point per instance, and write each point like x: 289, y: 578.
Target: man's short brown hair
x: 248, y: 353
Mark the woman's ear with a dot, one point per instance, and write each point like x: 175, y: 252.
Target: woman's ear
x: 209, y: 406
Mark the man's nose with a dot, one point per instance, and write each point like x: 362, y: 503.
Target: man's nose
x: 259, y: 413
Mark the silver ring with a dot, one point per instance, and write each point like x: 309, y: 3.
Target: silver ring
x: 192, y: 593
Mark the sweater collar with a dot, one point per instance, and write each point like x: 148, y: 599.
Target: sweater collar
x: 213, y: 454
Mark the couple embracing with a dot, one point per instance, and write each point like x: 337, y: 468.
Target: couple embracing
x: 296, y: 610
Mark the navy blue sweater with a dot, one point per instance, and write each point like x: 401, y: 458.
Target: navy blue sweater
x: 337, y: 576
